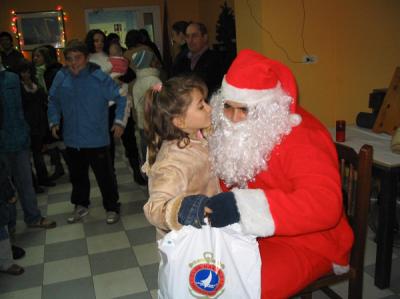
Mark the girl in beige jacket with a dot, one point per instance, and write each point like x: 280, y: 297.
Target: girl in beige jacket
x: 177, y: 165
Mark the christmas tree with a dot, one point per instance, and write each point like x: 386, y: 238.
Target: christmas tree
x: 226, y: 34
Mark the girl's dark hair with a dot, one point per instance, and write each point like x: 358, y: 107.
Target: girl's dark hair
x: 145, y: 39
x: 112, y: 38
x: 53, y: 54
x: 26, y: 65
x: 89, y: 40
x: 161, y: 107
x: 109, y: 44
x: 133, y: 38
x: 47, y: 56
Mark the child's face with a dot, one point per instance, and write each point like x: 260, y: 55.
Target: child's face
x: 115, y: 50
x: 76, y: 61
x: 98, y: 42
x: 198, y: 114
x: 26, y: 76
x: 38, y: 58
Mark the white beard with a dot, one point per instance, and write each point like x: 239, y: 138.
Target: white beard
x: 239, y: 151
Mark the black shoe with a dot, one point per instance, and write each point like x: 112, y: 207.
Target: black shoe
x: 17, y: 252
x: 39, y: 190
x: 47, y: 183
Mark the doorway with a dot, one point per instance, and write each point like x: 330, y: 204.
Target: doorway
x: 122, y: 19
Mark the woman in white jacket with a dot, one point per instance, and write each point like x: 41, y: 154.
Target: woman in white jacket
x: 147, y: 67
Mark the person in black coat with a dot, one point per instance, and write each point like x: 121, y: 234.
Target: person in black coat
x: 179, y: 39
x: 146, y: 40
x: 9, y: 55
x: 34, y: 103
x: 56, y: 148
x: 201, y: 60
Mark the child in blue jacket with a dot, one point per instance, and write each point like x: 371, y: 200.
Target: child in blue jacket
x: 81, y: 93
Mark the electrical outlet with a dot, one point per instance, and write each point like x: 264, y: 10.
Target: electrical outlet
x: 308, y: 59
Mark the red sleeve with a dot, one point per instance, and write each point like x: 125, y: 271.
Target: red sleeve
x: 314, y: 200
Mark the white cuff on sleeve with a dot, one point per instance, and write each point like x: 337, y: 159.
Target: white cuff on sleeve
x: 255, y: 215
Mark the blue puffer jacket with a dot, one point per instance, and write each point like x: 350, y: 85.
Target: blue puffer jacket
x: 83, y: 101
x: 14, y: 131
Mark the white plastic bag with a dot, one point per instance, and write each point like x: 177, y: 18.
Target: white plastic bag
x: 209, y: 263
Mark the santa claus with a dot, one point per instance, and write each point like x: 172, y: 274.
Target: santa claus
x: 278, y: 167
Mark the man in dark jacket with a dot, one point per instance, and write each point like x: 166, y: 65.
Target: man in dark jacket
x: 10, y: 57
x: 200, y: 60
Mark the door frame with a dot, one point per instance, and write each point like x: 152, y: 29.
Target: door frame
x: 139, y: 10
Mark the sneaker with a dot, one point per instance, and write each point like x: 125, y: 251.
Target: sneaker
x: 112, y: 217
x: 78, y: 214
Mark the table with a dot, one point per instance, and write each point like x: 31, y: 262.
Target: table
x: 386, y: 165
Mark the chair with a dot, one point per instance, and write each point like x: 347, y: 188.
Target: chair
x: 355, y: 171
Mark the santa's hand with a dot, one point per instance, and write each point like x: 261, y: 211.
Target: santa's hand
x: 192, y: 210
x: 224, y: 209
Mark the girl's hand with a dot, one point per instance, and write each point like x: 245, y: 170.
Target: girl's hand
x: 192, y: 210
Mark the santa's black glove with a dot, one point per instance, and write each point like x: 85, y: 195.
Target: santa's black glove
x: 224, y: 209
x: 192, y: 210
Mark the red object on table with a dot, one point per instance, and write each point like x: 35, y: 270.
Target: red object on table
x: 340, y: 131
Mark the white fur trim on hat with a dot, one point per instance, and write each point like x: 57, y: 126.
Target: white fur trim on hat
x: 255, y: 215
x: 249, y: 96
x: 295, y: 119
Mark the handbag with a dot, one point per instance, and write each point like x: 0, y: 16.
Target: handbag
x: 209, y: 263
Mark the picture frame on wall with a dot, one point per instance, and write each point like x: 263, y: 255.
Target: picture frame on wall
x: 35, y: 29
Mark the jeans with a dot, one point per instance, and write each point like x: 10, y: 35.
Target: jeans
x: 6, y: 259
x: 19, y: 168
x: 99, y: 159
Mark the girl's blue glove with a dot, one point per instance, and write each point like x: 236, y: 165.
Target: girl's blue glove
x: 192, y: 210
x: 223, y: 206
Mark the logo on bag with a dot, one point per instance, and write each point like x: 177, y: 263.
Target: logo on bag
x: 207, y: 278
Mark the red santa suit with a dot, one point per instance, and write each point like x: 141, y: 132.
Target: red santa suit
x: 295, y: 204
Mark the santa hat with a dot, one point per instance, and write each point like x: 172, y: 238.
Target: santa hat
x: 253, y: 78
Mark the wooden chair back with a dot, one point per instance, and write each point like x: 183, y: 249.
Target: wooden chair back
x: 356, y: 173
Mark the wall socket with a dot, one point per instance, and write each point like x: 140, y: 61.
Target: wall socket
x: 309, y: 59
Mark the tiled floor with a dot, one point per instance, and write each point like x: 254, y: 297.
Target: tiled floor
x: 95, y: 260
